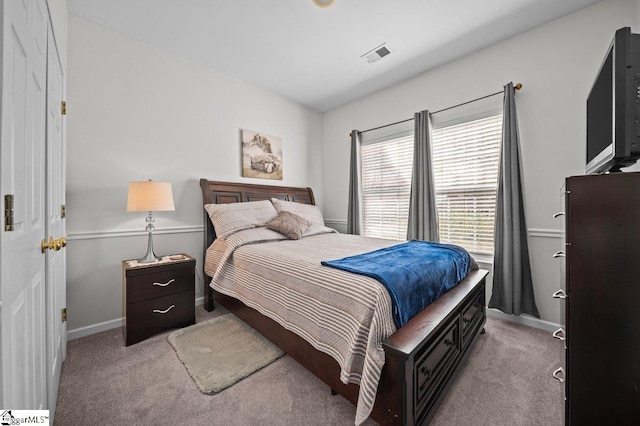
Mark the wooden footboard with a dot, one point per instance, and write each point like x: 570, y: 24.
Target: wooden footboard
x: 426, y: 352
x: 421, y: 357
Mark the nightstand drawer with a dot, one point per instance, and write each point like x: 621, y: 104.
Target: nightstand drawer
x: 159, y: 284
x: 149, y: 317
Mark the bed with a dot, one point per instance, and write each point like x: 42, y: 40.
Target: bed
x: 420, y: 358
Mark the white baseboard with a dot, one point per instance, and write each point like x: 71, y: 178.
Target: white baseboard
x: 107, y: 325
x: 94, y: 329
x: 525, y: 320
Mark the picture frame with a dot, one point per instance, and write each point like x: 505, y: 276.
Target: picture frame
x: 261, y: 155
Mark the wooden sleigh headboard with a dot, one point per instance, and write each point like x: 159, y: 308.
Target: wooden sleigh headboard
x: 214, y: 192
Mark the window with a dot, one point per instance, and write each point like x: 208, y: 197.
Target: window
x: 386, y: 186
x: 465, y: 168
x: 465, y: 172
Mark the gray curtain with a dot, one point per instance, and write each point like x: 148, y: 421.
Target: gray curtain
x: 423, y: 215
x: 512, y: 283
x: 354, y: 217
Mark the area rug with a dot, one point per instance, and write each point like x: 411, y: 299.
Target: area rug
x: 222, y: 351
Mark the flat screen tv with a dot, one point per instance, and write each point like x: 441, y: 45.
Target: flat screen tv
x: 613, y: 107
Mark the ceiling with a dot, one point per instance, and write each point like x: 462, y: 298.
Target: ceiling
x: 312, y: 55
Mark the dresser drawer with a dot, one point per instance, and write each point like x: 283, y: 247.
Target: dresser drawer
x: 161, y: 283
x: 146, y: 318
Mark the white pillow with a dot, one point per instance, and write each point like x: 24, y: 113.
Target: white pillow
x: 234, y: 217
x: 306, y: 211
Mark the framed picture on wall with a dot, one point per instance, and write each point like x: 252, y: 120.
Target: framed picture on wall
x: 261, y: 155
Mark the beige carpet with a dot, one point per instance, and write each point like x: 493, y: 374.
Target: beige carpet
x: 222, y: 351
x: 506, y: 381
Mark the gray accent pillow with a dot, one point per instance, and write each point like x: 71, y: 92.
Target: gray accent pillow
x: 289, y: 224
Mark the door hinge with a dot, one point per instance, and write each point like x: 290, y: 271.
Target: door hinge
x: 64, y: 314
x: 8, y: 212
x: 63, y: 211
x: 63, y: 107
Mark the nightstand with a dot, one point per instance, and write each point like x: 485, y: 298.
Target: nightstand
x: 157, y: 296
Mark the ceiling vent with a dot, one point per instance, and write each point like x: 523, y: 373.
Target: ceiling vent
x: 377, y: 53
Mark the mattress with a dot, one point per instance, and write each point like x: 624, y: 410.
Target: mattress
x: 344, y: 315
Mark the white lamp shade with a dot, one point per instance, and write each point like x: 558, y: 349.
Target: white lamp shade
x: 150, y: 196
x: 323, y: 3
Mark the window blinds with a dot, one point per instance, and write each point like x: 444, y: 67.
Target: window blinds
x: 386, y: 185
x: 465, y: 169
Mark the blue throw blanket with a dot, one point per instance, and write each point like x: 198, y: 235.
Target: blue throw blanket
x: 415, y: 273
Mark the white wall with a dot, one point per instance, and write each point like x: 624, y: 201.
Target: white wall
x: 138, y: 113
x: 557, y: 64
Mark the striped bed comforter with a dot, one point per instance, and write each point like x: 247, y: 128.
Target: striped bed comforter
x: 344, y: 315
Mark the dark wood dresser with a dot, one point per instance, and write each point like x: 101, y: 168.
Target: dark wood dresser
x: 157, y: 296
x: 602, y: 302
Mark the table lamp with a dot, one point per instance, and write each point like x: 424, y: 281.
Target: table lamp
x: 150, y: 196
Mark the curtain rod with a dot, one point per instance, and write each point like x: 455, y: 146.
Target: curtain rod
x: 518, y: 86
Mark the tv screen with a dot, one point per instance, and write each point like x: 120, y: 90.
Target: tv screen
x: 600, y: 131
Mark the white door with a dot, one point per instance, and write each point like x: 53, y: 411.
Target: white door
x: 22, y: 175
x: 55, y: 196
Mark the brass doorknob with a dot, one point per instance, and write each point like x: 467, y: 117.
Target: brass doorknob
x: 48, y: 245
x: 53, y: 244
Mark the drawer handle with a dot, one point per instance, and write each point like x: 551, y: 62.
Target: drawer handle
x: 426, y: 372
x: 558, y: 254
x: 158, y: 311
x: 558, y: 214
x: 556, y: 375
x: 559, y: 334
x: 560, y: 294
x: 164, y: 284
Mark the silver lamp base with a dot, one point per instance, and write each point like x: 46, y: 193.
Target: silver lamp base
x: 150, y: 256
